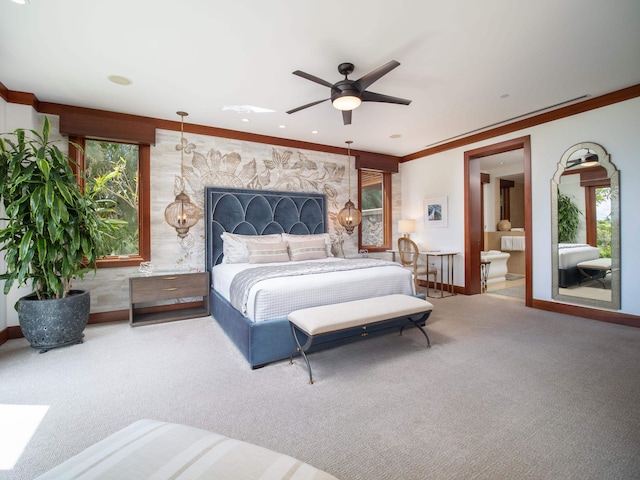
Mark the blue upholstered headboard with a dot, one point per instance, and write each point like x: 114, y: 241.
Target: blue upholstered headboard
x: 259, y: 212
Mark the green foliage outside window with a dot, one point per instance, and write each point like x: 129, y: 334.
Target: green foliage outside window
x: 114, y: 167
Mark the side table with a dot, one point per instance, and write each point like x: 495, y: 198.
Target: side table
x: 446, y: 289
x: 150, y: 297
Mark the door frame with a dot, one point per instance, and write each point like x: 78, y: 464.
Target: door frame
x: 474, y: 229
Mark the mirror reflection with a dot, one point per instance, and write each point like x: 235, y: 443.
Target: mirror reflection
x: 586, y: 228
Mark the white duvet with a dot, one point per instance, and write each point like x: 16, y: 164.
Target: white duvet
x: 275, y: 298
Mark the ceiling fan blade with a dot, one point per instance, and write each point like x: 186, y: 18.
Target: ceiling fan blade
x: 313, y: 78
x: 379, y: 72
x: 307, y: 106
x: 378, y: 97
x: 346, y: 117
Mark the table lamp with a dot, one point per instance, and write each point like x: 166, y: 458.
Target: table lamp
x: 406, y: 227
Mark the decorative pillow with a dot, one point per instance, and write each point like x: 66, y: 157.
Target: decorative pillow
x: 268, y: 252
x: 234, y: 245
x: 287, y: 237
x: 307, y: 249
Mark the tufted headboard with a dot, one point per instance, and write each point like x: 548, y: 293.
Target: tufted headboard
x: 259, y: 212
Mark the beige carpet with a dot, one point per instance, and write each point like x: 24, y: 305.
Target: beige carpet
x: 506, y: 392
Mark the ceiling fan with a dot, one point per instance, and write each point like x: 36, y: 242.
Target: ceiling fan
x: 347, y: 95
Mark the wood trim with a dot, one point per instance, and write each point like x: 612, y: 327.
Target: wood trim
x: 4, y: 336
x: 101, y: 126
x: 106, y: 317
x: 581, y: 107
x: 377, y: 161
x: 14, y: 332
x: 590, y: 216
x: 4, y: 92
x: 586, y: 312
x: 472, y: 218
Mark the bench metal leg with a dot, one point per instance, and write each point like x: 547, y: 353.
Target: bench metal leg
x: 301, y: 350
x: 417, y: 323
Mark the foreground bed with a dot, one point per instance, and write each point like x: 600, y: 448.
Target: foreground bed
x: 257, y: 323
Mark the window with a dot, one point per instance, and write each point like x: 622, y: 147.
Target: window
x: 123, y: 170
x: 375, y: 204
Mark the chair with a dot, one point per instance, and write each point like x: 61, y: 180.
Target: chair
x: 409, y: 256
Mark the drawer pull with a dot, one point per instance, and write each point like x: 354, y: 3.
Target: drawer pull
x: 169, y: 278
x: 170, y: 289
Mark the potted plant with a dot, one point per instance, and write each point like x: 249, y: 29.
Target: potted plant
x: 568, y: 219
x: 53, y: 232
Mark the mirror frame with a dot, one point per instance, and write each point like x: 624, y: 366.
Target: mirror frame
x: 614, y: 175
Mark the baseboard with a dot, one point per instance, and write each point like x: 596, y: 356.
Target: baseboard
x: 592, y: 313
x: 4, y: 336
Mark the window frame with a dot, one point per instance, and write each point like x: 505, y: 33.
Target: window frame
x: 386, y: 211
x: 76, y: 152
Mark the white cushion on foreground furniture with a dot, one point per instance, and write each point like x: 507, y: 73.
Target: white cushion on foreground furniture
x: 149, y: 449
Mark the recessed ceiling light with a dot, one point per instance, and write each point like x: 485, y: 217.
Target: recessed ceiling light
x: 119, y: 80
x: 245, y: 119
x: 395, y: 135
x: 282, y: 126
x: 314, y: 131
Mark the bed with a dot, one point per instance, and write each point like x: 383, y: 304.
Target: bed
x: 255, y: 317
x: 569, y: 255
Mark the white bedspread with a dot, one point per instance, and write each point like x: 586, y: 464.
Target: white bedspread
x: 570, y: 254
x: 277, y: 297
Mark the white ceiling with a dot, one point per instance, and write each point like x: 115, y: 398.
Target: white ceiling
x: 458, y: 59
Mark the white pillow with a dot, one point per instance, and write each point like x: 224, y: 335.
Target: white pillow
x: 262, y: 252
x: 307, y: 249
x: 287, y: 237
x: 234, y: 246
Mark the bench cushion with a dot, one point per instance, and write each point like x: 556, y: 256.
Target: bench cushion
x: 160, y: 450
x: 597, y: 264
x: 342, y: 316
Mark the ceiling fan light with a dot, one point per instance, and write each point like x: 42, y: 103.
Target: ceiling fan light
x: 348, y: 102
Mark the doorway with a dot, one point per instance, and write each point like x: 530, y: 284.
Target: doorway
x: 474, y: 226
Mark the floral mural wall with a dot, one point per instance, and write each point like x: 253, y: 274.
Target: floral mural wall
x: 212, y: 161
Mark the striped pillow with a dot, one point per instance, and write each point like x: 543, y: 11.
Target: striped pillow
x: 307, y: 249
x: 267, y: 252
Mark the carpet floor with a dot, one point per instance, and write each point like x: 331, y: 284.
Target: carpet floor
x: 506, y: 392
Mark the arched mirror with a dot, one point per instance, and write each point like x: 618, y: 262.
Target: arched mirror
x: 585, y: 203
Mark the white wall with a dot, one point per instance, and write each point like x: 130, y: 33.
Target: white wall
x: 615, y: 127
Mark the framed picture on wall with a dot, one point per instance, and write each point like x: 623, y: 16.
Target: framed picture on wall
x: 435, y: 212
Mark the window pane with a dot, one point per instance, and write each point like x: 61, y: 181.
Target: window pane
x: 372, y: 197
x: 121, y: 190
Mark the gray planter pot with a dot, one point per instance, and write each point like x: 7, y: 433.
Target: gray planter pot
x: 48, y: 324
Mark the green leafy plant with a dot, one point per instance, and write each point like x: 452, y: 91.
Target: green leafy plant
x: 568, y: 219
x: 54, y: 230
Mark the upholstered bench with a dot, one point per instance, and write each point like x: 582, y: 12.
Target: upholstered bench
x: 159, y: 450
x: 316, y: 322
x: 595, y: 269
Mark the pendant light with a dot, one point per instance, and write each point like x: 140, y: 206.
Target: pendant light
x: 181, y: 214
x: 349, y: 217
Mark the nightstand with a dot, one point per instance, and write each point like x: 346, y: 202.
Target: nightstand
x: 150, y: 297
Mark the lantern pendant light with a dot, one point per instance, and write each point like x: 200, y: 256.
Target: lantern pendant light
x: 349, y: 217
x: 182, y: 214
